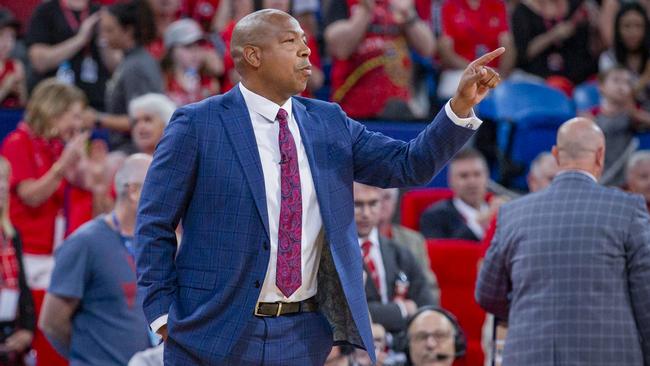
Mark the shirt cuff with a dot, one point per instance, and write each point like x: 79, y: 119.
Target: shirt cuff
x: 158, y: 323
x: 472, y: 122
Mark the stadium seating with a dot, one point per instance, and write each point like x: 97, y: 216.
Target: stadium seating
x: 586, y: 96
x: 414, y: 203
x: 455, y: 263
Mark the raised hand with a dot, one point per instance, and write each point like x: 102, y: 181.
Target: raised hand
x: 475, y: 83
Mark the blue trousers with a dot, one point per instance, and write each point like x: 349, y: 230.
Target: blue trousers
x: 303, y: 339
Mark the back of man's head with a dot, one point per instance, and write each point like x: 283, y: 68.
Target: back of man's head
x: 580, y: 146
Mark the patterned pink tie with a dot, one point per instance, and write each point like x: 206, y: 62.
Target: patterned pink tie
x: 288, y: 275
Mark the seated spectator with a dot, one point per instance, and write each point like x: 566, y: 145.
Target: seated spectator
x: 186, y: 80
x: 434, y: 337
x: 360, y: 357
x: 637, y: 174
x: 62, y: 42
x: 553, y: 38
x: 202, y: 11
x: 470, y: 29
x: 229, y: 13
x: 128, y: 26
x: 372, y: 67
x: 542, y: 171
x: 17, y: 318
x: 91, y: 312
x: 150, y: 114
x: 468, y: 214
x: 405, y: 237
x: 13, y: 90
x: 618, y: 116
x: 317, y: 77
x: 631, y: 48
x: 44, y: 152
x: 395, y: 285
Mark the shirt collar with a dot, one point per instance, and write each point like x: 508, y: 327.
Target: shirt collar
x: 467, y: 210
x: 263, y: 106
x: 583, y: 172
x: 373, y: 238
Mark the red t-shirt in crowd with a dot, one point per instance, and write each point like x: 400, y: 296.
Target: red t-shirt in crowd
x: 78, y: 208
x: 12, y: 100
x: 208, y: 86
x: 475, y: 31
x: 203, y: 11
x: 378, y: 71
x: 31, y: 157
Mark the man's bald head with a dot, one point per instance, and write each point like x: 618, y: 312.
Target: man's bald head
x: 255, y: 29
x: 580, y: 145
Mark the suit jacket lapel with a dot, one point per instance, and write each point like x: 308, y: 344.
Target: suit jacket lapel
x: 388, y: 256
x: 240, y: 131
x: 310, y: 131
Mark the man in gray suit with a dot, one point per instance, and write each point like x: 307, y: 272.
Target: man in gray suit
x: 569, y: 266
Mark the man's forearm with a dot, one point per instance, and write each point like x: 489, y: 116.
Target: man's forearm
x: 59, y: 336
x: 344, y: 36
x: 420, y: 37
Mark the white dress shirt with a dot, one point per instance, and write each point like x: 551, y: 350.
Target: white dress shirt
x: 471, y: 216
x: 262, y: 113
x: 375, y: 256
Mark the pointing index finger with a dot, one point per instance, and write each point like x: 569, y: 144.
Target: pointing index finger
x: 488, y: 57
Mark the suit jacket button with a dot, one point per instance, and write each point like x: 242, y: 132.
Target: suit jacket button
x: 257, y: 284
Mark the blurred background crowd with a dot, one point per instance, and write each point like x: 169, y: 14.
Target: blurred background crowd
x: 84, y: 84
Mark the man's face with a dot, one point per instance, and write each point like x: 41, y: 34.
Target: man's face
x: 468, y: 180
x: 431, y: 337
x: 285, y: 57
x: 638, y: 179
x: 367, y: 206
x: 388, y: 204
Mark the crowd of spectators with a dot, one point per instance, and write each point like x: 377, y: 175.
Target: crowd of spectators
x: 99, y: 80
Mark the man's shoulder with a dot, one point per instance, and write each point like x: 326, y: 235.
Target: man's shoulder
x: 87, y: 237
x: 442, y: 206
x: 319, y: 106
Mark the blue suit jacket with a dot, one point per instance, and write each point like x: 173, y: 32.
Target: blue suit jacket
x: 207, y: 172
x: 569, y: 268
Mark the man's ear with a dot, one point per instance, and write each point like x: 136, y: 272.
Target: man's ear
x: 253, y: 55
x: 556, y: 154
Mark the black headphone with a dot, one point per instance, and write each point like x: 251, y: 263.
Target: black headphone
x: 460, y: 342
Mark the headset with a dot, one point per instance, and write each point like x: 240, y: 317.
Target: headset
x: 460, y: 342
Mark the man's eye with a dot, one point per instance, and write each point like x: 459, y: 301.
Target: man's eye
x: 288, y: 40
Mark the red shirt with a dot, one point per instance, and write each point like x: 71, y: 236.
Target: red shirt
x: 475, y: 31
x: 207, y: 87
x: 31, y: 157
x: 379, y: 70
x: 11, y: 100
x: 78, y: 208
x: 203, y: 11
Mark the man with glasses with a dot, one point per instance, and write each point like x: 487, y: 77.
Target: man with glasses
x: 434, y: 338
x: 395, y: 285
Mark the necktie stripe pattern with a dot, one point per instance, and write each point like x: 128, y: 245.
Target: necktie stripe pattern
x: 288, y: 271
x: 370, y: 264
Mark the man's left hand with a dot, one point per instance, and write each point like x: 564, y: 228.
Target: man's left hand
x: 475, y: 83
x: 19, y: 341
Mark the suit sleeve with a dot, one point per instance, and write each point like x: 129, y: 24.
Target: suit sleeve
x: 494, y: 284
x: 381, y: 161
x: 638, y: 269
x: 166, y: 194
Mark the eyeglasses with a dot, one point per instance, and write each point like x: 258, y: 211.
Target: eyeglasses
x: 438, y: 336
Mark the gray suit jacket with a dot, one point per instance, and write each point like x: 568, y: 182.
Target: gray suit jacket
x: 396, y: 259
x: 569, y: 267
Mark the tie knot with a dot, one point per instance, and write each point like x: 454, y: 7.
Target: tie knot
x: 365, y: 247
x: 282, y: 116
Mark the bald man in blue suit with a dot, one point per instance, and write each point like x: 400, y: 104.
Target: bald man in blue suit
x: 269, y: 270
